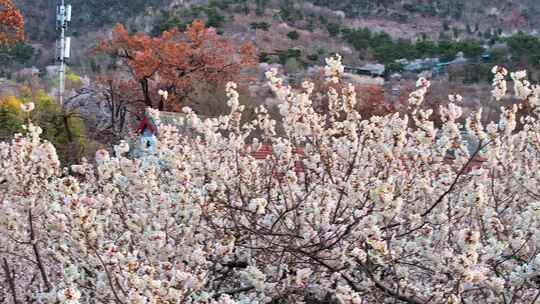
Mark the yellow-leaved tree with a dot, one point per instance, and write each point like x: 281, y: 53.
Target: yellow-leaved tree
x: 48, y: 115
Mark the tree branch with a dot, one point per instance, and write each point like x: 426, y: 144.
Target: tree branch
x: 109, y: 278
x: 10, y: 281
x: 35, y: 248
x: 454, y: 183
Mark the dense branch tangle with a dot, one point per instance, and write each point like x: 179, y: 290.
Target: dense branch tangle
x: 391, y: 208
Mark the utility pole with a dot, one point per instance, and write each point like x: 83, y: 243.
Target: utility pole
x: 63, y: 21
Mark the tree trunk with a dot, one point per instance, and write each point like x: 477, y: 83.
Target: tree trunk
x: 161, y: 104
x: 146, y: 93
x: 72, y: 154
x: 10, y: 281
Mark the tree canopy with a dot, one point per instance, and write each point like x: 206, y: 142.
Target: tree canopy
x: 175, y: 61
x: 11, y: 23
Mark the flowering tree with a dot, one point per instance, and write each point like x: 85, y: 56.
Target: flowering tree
x: 375, y: 215
x: 371, y: 99
x: 11, y: 23
x: 176, y: 62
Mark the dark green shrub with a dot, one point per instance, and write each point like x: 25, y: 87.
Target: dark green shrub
x: 293, y: 35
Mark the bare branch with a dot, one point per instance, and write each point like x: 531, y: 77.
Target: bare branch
x: 10, y: 281
x: 35, y: 248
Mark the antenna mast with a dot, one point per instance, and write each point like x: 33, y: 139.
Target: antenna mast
x: 63, y: 21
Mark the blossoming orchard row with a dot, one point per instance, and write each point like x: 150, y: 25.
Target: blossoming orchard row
x: 376, y: 215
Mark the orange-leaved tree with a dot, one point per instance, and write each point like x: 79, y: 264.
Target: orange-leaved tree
x: 11, y: 24
x: 372, y: 100
x: 176, y: 62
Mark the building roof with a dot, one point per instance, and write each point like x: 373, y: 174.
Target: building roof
x: 266, y: 150
x: 370, y: 68
x: 375, y: 68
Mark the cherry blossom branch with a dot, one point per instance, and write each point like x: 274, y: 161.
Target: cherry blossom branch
x: 536, y: 297
x: 10, y: 281
x: 456, y: 179
x: 37, y: 254
x: 386, y: 289
x: 109, y: 278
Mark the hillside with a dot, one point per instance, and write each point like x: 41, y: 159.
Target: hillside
x: 508, y: 15
x: 281, y: 28
x: 88, y: 15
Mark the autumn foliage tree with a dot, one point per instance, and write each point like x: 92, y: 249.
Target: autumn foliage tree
x: 373, y: 101
x: 11, y: 24
x: 175, y: 62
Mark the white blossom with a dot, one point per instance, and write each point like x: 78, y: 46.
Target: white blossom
x: 28, y: 107
x: 333, y: 206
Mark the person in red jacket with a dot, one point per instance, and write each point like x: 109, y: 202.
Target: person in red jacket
x: 147, y: 127
x: 148, y: 131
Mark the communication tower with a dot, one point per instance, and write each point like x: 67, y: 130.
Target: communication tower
x: 63, y: 21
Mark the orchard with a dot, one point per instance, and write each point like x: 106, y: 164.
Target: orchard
x: 377, y: 213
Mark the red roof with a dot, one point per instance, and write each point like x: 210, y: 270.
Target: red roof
x: 266, y: 150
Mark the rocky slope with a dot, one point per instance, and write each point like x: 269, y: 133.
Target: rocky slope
x: 310, y: 19
x: 94, y: 14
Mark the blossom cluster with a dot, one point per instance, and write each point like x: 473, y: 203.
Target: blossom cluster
x: 388, y: 209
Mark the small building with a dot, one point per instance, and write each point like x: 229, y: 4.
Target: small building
x: 460, y: 59
x: 439, y: 69
x: 370, y: 69
x: 396, y: 77
x: 402, y: 61
x: 420, y: 65
x: 266, y: 150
